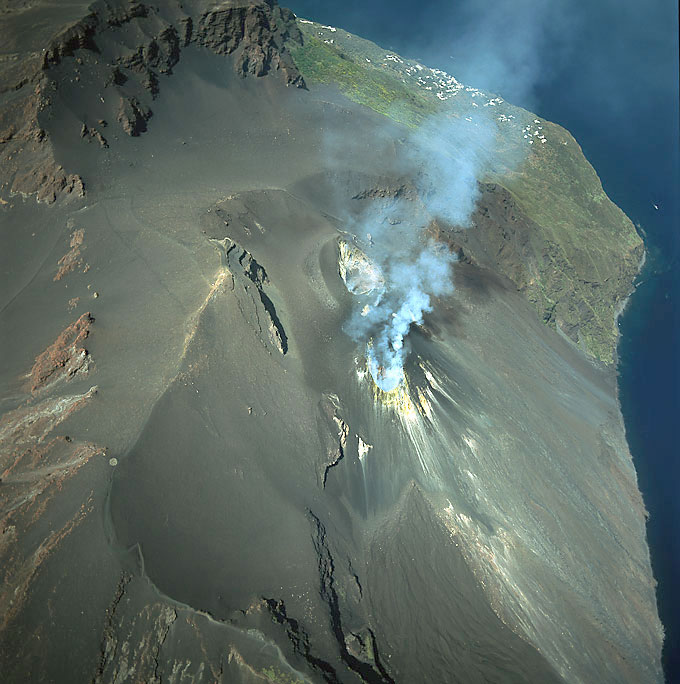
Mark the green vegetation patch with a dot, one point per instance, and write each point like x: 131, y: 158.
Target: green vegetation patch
x: 593, y: 250
x: 321, y: 62
x: 273, y: 674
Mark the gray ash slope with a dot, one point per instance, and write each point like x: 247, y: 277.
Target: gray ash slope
x: 268, y: 516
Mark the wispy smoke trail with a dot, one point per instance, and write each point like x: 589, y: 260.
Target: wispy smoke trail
x: 495, y: 47
x: 398, y: 270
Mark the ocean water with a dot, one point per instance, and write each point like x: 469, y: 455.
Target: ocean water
x: 608, y: 72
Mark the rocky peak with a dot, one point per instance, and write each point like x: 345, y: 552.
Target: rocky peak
x: 258, y: 30
x: 129, y: 47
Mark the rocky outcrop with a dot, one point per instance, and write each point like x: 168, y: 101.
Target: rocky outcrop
x: 257, y: 33
x: 148, y: 637
x: 65, y: 357
x: 254, y: 32
x: 34, y: 467
x: 405, y: 191
x: 334, y: 433
x: 73, y: 258
x: 129, y: 47
x: 239, y: 260
x: 300, y: 640
x: 38, y: 464
x: 133, y: 646
x: 26, y: 152
x: 91, y: 133
x: 133, y: 115
x: 356, y: 649
x: 157, y: 56
x: 48, y: 181
x: 79, y: 36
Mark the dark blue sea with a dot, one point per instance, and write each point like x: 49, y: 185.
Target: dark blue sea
x: 607, y: 71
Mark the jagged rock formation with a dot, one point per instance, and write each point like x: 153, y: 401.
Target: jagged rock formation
x: 97, y: 46
x: 334, y: 431
x: 240, y: 261
x: 73, y: 259
x: 27, y: 157
x: 65, y: 357
x: 371, y: 669
x: 94, y: 134
x: 257, y: 32
x: 36, y: 466
x: 133, y: 115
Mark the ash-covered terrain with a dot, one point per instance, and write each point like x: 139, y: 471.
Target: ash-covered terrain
x: 295, y: 391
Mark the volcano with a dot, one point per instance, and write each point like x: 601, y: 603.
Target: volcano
x: 203, y: 479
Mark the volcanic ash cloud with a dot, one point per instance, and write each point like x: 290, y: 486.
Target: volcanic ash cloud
x: 392, y: 268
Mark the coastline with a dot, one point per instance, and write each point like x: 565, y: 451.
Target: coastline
x: 623, y: 305
x: 646, y: 399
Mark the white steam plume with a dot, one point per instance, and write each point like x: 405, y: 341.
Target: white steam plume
x: 446, y: 156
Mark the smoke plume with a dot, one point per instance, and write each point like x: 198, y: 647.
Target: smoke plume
x: 496, y: 47
x: 394, y: 270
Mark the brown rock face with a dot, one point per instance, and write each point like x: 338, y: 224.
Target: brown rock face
x: 26, y: 153
x: 35, y: 467
x: 73, y: 258
x: 48, y: 181
x: 65, y: 357
x: 80, y: 36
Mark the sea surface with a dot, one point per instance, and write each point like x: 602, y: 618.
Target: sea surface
x: 608, y: 73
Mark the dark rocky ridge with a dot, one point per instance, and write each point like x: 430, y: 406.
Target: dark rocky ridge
x: 258, y: 32
x: 97, y: 47
x: 240, y: 261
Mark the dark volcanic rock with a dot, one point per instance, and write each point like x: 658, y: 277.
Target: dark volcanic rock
x: 405, y: 191
x: 163, y: 53
x: 258, y: 30
x: 504, y: 239
x: 26, y: 152
x: 300, y: 640
x: 373, y: 671
x: 80, y: 36
x: 133, y: 115
x: 93, y: 134
x: 158, y: 56
x: 139, y: 43
x: 119, y: 14
x: 239, y: 259
x: 334, y: 433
